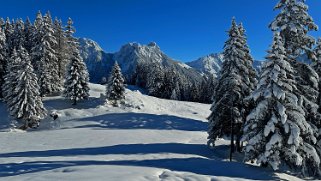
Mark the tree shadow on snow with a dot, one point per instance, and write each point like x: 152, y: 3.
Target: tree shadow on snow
x: 206, y: 165
x: 201, y: 166
x: 92, y: 102
x: 143, y: 121
x: 128, y: 149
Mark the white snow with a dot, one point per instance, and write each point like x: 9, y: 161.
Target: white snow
x: 150, y: 139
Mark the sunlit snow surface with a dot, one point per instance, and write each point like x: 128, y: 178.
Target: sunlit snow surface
x: 149, y: 139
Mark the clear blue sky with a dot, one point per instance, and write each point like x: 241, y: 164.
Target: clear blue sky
x: 184, y: 29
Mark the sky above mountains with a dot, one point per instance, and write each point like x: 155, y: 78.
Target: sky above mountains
x: 184, y: 29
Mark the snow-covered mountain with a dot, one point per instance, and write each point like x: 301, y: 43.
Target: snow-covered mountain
x: 130, y: 56
x: 211, y: 64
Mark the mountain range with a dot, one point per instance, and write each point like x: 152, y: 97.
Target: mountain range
x: 131, y: 55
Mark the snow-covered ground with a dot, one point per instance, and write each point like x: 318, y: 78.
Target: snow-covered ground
x: 149, y: 139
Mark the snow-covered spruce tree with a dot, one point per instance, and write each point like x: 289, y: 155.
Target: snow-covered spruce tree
x: 294, y: 24
x: 234, y: 84
x: 8, y: 30
x: 13, y: 66
x: 36, y: 38
x: 28, y: 33
x: 3, y: 58
x: 276, y: 130
x: 77, y: 77
x: 49, y: 81
x: 316, y: 65
x: 115, y: 88
x: 26, y: 105
x: 18, y: 36
x: 60, y: 48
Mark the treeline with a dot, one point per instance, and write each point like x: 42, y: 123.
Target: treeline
x: 275, y: 121
x: 169, y: 83
x: 36, y: 60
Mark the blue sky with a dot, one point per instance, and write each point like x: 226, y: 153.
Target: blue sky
x: 184, y: 29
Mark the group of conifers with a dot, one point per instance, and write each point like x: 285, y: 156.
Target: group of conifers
x: 40, y: 59
x: 274, y: 119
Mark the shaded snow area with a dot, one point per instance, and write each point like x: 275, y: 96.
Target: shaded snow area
x: 147, y: 139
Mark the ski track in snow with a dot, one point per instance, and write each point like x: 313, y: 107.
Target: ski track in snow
x: 149, y: 139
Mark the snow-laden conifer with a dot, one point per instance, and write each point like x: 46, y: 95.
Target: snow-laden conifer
x: 294, y: 23
x: 77, y: 77
x: 3, y: 58
x: 115, y: 88
x: 24, y: 102
x: 276, y: 130
x: 236, y: 81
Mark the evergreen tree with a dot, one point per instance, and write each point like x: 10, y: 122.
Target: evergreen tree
x: 115, y: 89
x: 18, y: 36
x: 26, y: 105
x: 28, y: 33
x: 36, y: 38
x: 235, y: 83
x: 13, y: 67
x: 316, y: 65
x: 276, y: 130
x: 49, y: 81
x: 60, y: 48
x: 3, y: 58
x: 77, y: 77
x: 8, y: 30
x: 294, y: 24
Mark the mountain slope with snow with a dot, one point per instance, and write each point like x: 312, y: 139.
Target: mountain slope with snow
x: 211, y: 64
x: 148, y: 139
x: 130, y: 56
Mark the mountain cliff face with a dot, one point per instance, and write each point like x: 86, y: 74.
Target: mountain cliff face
x: 210, y: 64
x: 130, y: 56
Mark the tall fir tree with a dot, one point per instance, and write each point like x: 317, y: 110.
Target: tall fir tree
x: 36, y: 38
x: 316, y: 65
x: 235, y: 83
x: 28, y: 33
x: 294, y: 23
x: 60, y: 48
x: 3, y: 58
x: 115, y: 88
x: 18, y: 36
x: 77, y: 77
x: 8, y: 30
x: 276, y: 130
x: 26, y: 104
x: 12, y: 69
x: 49, y: 81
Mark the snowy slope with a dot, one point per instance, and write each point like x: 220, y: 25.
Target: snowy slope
x: 150, y: 139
